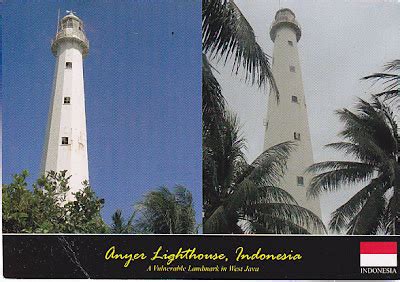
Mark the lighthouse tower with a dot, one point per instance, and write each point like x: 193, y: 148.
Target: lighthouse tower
x: 65, y: 145
x: 287, y: 117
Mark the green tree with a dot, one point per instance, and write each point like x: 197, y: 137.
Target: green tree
x: 227, y: 34
x: 47, y: 213
x: 119, y: 225
x: 83, y: 214
x: 390, y: 79
x: 16, y: 204
x: 371, y: 137
x: 166, y: 212
x: 243, y: 198
x: 44, y: 210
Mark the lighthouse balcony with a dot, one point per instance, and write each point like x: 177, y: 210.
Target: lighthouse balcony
x: 70, y: 34
x: 285, y: 17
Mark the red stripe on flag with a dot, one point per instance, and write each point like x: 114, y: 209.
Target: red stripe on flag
x: 378, y: 247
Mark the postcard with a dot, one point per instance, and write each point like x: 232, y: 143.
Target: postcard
x: 213, y: 139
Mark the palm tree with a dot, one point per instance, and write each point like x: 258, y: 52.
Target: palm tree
x: 166, y: 212
x: 213, y: 100
x: 371, y: 137
x: 119, y: 226
x: 243, y: 198
x: 391, y: 80
x: 227, y: 34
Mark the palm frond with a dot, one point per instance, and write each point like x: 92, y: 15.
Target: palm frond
x: 390, y: 81
x: 248, y: 193
x: 223, y: 157
x: 270, y: 166
x: 392, y: 66
x: 266, y: 224
x: 343, y: 215
x: 389, y: 94
x: 336, y: 165
x: 342, y: 173
x: 165, y: 212
x: 382, y: 128
x: 217, y: 222
x: 362, y: 153
x: 226, y: 33
x: 368, y: 219
x: 213, y: 101
x: 228, y: 151
x: 290, y: 212
x: 370, y: 128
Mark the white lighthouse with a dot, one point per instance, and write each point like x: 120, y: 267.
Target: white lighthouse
x: 65, y: 145
x: 287, y: 117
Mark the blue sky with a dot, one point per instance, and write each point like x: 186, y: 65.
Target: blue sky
x: 142, y: 87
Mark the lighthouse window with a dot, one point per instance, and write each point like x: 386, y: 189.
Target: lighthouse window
x: 294, y: 99
x: 292, y: 69
x: 68, y: 65
x: 64, y: 140
x: 290, y: 43
x: 300, y: 181
x: 70, y: 24
x: 67, y: 100
x: 296, y: 136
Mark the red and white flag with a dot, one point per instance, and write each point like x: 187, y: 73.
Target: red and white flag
x: 375, y: 254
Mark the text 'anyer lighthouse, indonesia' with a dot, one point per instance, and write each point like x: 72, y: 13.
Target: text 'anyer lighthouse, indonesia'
x: 66, y: 142
x: 287, y: 117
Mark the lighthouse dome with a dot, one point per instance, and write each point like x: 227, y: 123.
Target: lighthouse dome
x: 285, y: 18
x: 70, y: 28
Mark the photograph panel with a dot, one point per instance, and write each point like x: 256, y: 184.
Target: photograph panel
x: 118, y: 86
x: 295, y: 92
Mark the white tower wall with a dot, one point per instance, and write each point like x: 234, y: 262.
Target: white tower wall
x: 68, y: 118
x: 288, y: 117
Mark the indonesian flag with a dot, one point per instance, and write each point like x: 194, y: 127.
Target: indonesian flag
x: 375, y: 254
